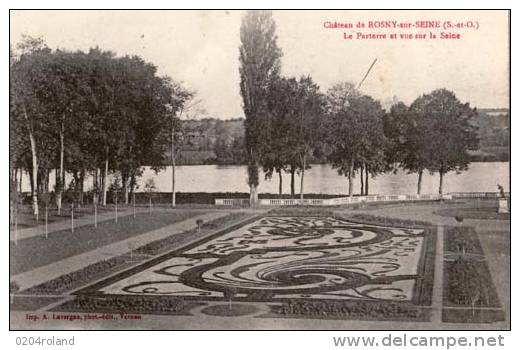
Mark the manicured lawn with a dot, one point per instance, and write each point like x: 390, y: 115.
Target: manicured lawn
x: 38, y: 251
x: 27, y: 219
x: 474, y: 213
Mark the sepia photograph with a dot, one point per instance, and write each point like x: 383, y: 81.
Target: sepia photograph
x: 259, y: 170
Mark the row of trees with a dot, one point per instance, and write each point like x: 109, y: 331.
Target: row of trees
x: 289, y: 120
x: 89, y: 113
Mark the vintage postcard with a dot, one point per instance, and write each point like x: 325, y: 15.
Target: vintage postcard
x: 259, y: 170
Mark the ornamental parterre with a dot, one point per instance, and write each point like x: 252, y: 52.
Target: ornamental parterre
x: 280, y: 259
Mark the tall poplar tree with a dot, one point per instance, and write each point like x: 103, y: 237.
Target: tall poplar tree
x: 259, y: 68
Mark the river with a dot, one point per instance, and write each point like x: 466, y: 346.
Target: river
x: 480, y: 177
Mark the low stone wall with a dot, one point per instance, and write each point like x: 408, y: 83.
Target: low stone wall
x: 331, y: 201
x: 488, y: 195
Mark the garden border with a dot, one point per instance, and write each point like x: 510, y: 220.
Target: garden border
x: 492, y: 310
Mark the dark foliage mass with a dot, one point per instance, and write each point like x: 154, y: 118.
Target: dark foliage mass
x: 87, y: 113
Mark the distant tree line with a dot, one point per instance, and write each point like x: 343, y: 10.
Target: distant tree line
x: 221, y: 142
x: 88, y: 113
x: 213, y: 141
x: 289, y: 120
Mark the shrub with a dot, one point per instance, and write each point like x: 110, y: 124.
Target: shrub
x: 345, y: 310
x: 466, y: 285
x: 125, y: 303
x: 199, y: 223
x: 462, y: 240
x: 382, y: 220
x: 68, y: 281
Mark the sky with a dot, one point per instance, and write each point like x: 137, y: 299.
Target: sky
x: 200, y: 49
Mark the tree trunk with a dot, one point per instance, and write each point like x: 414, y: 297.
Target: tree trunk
x: 75, y: 176
x: 15, y: 179
x: 31, y: 182
x: 44, y: 181
x: 301, y: 180
x: 280, y: 182
x: 21, y: 179
x: 419, y: 182
x: 56, y: 188
x: 173, y: 162
x: 34, y: 180
x: 132, y: 183
x: 39, y: 183
x: 95, y: 184
x: 293, y: 170
x: 367, y: 174
x: 34, y: 185
x: 125, y: 182
x: 441, y: 177
x: 47, y: 180
x: 351, y: 179
x: 81, y: 185
x: 362, y: 184
x: 60, y: 178
x: 253, y: 180
x: 101, y: 180
x: 105, y: 179
x: 253, y: 195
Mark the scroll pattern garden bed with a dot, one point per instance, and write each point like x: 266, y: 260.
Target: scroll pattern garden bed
x: 300, y: 266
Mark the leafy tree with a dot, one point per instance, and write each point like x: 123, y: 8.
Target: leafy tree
x: 178, y: 103
x: 372, y: 158
x: 67, y: 86
x: 259, y: 66
x: 279, y: 157
x: 27, y: 90
x: 407, y: 131
x: 309, y: 118
x: 449, y: 131
x: 296, y: 108
x: 104, y: 126
x: 433, y: 134
x: 83, y: 112
x: 355, y: 133
x: 141, y: 109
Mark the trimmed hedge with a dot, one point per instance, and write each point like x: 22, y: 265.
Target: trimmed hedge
x: 358, y: 309
x: 300, y: 211
x: 382, y: 220
x: 127, y: 304
x: 77, y: 278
